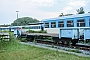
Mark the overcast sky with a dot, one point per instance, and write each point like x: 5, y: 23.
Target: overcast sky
x: 39, y: 9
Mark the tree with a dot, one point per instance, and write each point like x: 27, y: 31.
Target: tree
x: 24, y: 21
x: 65, y: 14
x: 80, y: 11
x: 61, y: 15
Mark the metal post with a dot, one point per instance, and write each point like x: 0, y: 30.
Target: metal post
x: 17, y: 16
x: 17, y: 23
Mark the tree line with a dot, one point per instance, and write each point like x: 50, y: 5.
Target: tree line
x: 24, y: 21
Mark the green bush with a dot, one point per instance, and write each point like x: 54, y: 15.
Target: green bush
x: 3, y: 43
x: 52, y: 46
x: 34, y: 41
x: 23, y: 40
x: 4, y: 31
x: 49, y: 38
x: 32, y: 31
x: 77, y: 51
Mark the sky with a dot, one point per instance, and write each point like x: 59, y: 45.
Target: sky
x: 39, y: 9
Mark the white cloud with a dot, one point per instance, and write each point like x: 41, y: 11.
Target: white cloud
x: 44, y: 15
x: 77, y: 3
x: 73, y: 5
x: 66, y: 9
x: 42, y: 2
x: 25, y: 8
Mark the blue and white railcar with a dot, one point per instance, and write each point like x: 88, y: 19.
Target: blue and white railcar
x: 35, y: 27
x: 79, y: 23
x: 4, y: 28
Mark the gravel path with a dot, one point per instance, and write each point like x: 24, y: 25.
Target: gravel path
x: 60, y: 49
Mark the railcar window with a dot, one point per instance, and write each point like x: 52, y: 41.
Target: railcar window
x: 31, y: 27
x: 46, y: 25
x: 81, y: 23
x: 53, y: 24
x: 70, y: 23
x: 89, y: 21
x: 34, y: 27
x: 38, y: 27
x: 60, y: 24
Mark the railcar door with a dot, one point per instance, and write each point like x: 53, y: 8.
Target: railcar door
x: 76, y: 34
x: 87, y: 34
x: 81, y: 34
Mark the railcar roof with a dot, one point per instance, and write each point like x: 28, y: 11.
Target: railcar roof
x: 75, y: 28
x: 37, y: 23
x: 14, y: 26
x: 4, y: 27
x: 67, y: 17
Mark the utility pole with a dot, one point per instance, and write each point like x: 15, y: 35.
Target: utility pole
x: 17, y: 24
x: 17, y: 16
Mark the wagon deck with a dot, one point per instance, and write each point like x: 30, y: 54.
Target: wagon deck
x: 43, y: 34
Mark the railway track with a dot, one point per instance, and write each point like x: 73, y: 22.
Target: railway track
x: 77, y: 46
x: 82, y: 46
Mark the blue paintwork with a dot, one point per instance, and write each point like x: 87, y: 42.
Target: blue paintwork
x: 65, y: 23
x: 75, y: 32
x: 69, y: 33
x: 66, y: 33
x: 87, y: 34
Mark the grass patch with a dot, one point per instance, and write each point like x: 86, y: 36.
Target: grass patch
x: 17, y: 51
x: 23, y: 39
x: 13, y: 50
x: 77, y: 51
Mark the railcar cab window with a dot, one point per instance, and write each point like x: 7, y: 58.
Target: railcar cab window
x: 47, y: 25
x: 53, y: 24
x: 81, y: 23
x: 70, y: 23
x: 60, y: 24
